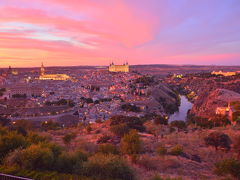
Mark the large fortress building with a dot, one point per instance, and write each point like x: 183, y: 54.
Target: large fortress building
x: 224, y: 73
x: 56, y: 77
x: 118, y: 68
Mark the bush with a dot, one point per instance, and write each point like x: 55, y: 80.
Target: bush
x: 71, y: 162
x: 108, y: 149
x: 131, y: 143
x: 176, y: 150
x: 36, y: 157
x: 11, y: 141
x: 161, y: 120
x: 120, y: 129
x: 89, y: 129
x: 228, y: 167
x: 161, y: 150
x: 68, y: 138
x: 131, y: 122
x: 218, y: 139
x: 178, y: 124
x: 102, y: 166
x: 157, y: 177
x: 104, y: 139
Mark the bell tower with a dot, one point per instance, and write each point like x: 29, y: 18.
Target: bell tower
x: 42, y: 70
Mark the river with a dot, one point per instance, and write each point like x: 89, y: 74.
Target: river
x: 185, y: 105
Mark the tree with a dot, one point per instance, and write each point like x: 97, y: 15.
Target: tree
x: 228, y: 166
x: 11, y: 141
x: 36, y: 157
x: 131, y: 143
x: 131, y: 122
x: 218, y: 139
x: 160, y: 120
x: 178, y: 124
x: 4, y: 121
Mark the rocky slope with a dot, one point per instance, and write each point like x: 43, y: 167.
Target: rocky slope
x: 206, y: 104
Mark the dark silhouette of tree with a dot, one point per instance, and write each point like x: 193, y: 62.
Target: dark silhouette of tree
x: 218, y: 139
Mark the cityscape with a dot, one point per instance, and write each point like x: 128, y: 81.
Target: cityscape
x: 119, y: 90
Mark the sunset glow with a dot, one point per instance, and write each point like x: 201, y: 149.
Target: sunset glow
x: 96, y: 32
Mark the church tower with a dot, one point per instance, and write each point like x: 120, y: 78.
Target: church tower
x: 42, y: 70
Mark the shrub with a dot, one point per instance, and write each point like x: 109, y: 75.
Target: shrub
x: 161, y: 150
x: 131, y: 122
x: 218, y: 139
x: 120, y: 129
x: 11, y: 141
x: 104, y: 139
x: 131, y: 143
x: 36, y: 157
x: 157, y: 177
x: 102, y: 166
x: 89, y: 129
x: 71, y: 162
x: 178, y: 124
x: 108, y: 149
x: 228, y: 167
x: 68, y: 138
x: 176, y: 150
x: 161, y: 120
x: 35, y: 138
x: 148, y: 162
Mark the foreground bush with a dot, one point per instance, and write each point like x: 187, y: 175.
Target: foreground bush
x: 131, y: 143
x: 228, y: 167
x: 71, y: 162
x: 103, y: 167
x: 11, y: 141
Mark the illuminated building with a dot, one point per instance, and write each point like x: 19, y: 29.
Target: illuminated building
x: 25, y: 90
x: 56, y: 77
x: 223, y: 73
x: 118, y: 68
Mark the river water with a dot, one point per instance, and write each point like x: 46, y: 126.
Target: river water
x: 183, y: 109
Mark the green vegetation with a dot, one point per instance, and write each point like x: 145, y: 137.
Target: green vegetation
x: 176, y: 150
x: 61, y: 102
x: 160, y: 120
x: 161, y: 150
x: 130, y: 107
x: 35, y: 157
x: 130, y: 122
x: 178, y: 124
x: 131, y: 143
x: 228, y: 167
x: 68, y: 138
x: 108, y: 149
x: 218, y: 140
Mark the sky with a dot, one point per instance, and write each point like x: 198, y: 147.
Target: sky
x: 97, y: 32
